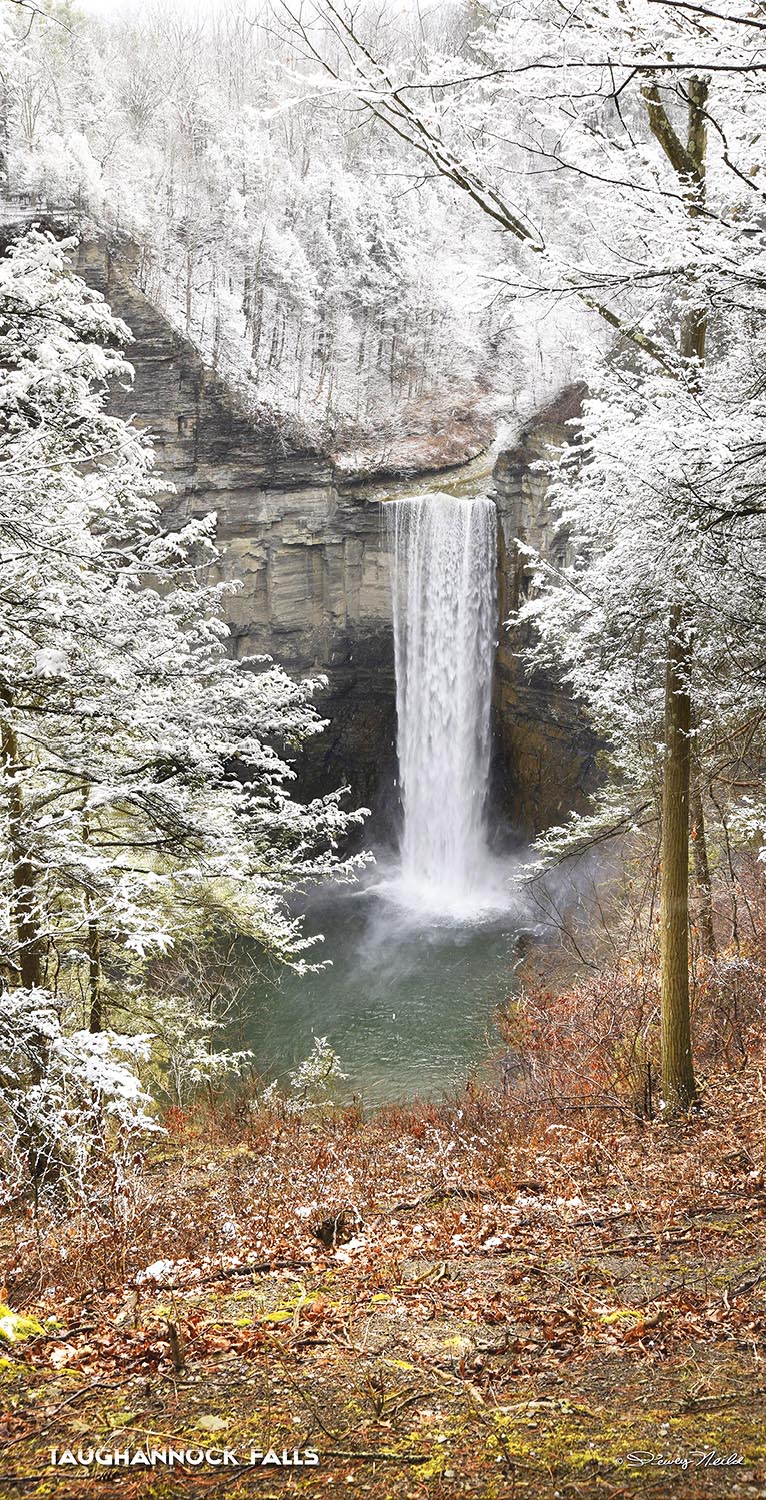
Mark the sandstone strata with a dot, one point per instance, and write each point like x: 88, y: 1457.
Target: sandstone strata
x: 301, y: 534
x: 305, y: 547
x: 545, y: 747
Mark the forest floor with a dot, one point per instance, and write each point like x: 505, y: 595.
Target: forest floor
x: 476, y: 1301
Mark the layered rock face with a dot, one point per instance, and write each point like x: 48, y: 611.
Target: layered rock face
x: 545, y: 748
x: 307, y: 550
x: 303, y: 539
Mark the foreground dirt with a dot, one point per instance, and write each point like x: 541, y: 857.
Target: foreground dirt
x: 579, y: 1313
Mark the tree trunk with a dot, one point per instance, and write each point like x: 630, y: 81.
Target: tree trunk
x: 93, y: 946
x: 679, y: 1090
x: 24, y: 910
x: 95, y: 1021
x: 24, y: 901
x: 701, y: 868
x: 678, y: 1086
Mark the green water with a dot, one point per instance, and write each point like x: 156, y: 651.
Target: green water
x: 417, y: 970
x: 408, y: 1005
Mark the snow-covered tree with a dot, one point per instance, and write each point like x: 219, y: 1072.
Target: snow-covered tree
x: 618, y: 147
x: 70, y: 1100
x: 659, y: 500
x: 316, y: 285
x: 122, y: 717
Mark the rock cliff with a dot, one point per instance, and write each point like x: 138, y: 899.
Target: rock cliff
x: 544, y: 745
x: 304, y: 545
x: 301, y: 533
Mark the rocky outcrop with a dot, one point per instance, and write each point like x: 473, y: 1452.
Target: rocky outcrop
x: 304, y: 545
x: 301, y: 533
x: 545, y: 748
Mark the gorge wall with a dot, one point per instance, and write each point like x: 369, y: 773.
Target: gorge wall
x: 545, y: 748
x: 301, y: 533
x: 306, y: 547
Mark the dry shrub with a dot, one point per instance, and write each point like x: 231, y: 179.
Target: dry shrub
x: 590, y: 1044
x: 596, y: 1043
x: 236, y: 1177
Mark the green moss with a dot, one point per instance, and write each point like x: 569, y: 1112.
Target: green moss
x: 115, y: 1420
x: 433, y: 1468
x: 574, y: 1441
x: 15, y: 1327
x: 621, y: 1315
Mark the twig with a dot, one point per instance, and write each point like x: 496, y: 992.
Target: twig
x: 82, y: 1391
x: 243, y: 1270
x: 749, y: 1285
x: 60, y: 1335
x: 440, y: 1195
x: 368, y: 1456
x: 176, y: 1348
x: 102, y: 1385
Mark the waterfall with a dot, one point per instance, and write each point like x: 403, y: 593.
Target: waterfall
x: 445, y: 608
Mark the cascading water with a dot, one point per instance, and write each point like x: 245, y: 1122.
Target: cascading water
x: 443, y: 552
x: 423, y: 949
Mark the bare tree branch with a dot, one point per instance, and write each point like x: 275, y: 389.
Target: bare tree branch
x: 384, y: 100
